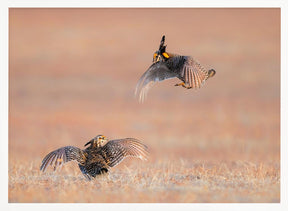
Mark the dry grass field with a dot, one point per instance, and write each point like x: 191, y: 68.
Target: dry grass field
x: 72, y: 74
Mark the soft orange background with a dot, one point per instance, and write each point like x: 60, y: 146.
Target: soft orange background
x: 72, y: 74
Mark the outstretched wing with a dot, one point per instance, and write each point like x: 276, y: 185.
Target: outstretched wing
x: 62, y: 155
x: 116, y: 150
x: 194, y: 74
x: 156, y: 72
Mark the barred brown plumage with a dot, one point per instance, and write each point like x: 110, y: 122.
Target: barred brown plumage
x: 98, y: 157
x: 168, y: 65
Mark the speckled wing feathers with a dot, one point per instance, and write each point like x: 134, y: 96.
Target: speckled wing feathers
x: 194, y: 75
x: 156, y: 72
x: 116, y: 150
x: 62, y: 155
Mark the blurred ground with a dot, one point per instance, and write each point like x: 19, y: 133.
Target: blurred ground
x: 72, y: 74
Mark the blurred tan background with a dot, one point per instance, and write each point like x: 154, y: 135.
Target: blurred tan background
x: 72, y: 74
